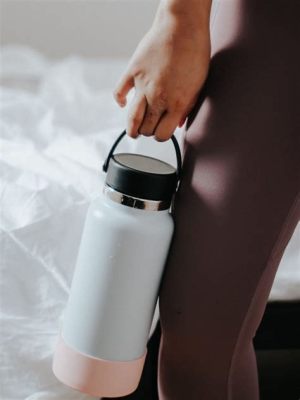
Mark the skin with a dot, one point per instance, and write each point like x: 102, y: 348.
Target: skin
x: 167, y: 69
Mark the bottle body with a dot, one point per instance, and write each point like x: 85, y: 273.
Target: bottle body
x: 114, y: 290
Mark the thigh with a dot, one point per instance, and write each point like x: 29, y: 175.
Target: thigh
x: 239, y: 198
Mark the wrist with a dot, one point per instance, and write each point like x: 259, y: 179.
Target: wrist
x: 195, y: 13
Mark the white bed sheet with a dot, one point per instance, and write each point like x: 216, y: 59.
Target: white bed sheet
x: 58, y: 121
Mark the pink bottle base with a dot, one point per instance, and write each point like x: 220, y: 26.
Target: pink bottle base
x: 95, y: 376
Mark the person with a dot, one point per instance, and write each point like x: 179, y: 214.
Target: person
x: 235, y: 84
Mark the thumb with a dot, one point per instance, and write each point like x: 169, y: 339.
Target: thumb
x: 122, y: 88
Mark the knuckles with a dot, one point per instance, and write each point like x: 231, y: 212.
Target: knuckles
x: 152, y: 114
x: 178, y: 105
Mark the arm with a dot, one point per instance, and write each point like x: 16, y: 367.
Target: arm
x: 194, y: 10
x: 167, y: 69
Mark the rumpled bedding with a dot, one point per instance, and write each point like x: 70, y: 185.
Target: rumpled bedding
x: 58, y: 121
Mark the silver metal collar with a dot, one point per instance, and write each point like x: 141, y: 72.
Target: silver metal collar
x: 135, y: 202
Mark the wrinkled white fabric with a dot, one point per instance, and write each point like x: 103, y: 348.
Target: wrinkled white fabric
x: 58, y: 121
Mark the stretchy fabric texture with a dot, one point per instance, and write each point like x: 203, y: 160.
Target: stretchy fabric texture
x: 238, y: 204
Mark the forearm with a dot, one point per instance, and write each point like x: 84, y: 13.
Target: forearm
x: 195, y: 12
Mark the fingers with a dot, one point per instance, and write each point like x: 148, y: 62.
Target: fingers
x: 136, y: 114
x: 156, y: 106
x: 149, y: 113
x: 181, y: 122
x: 150, y: 121
x: 122, y: 88
x: 173, y: 117
x: 166, y: 126
x: 186, y: 113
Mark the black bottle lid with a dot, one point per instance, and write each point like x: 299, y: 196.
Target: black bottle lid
x: 142, y: 176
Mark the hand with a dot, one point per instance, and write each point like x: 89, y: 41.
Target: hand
x: 167, y: 70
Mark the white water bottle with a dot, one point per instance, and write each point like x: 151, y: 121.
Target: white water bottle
x: 125, y: 242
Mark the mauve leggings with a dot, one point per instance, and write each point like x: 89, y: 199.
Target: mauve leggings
x: 238, y: 204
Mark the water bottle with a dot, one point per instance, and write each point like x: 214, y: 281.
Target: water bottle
x: 128, y: 229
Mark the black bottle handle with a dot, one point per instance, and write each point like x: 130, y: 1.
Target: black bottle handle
x: 177, y: 150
